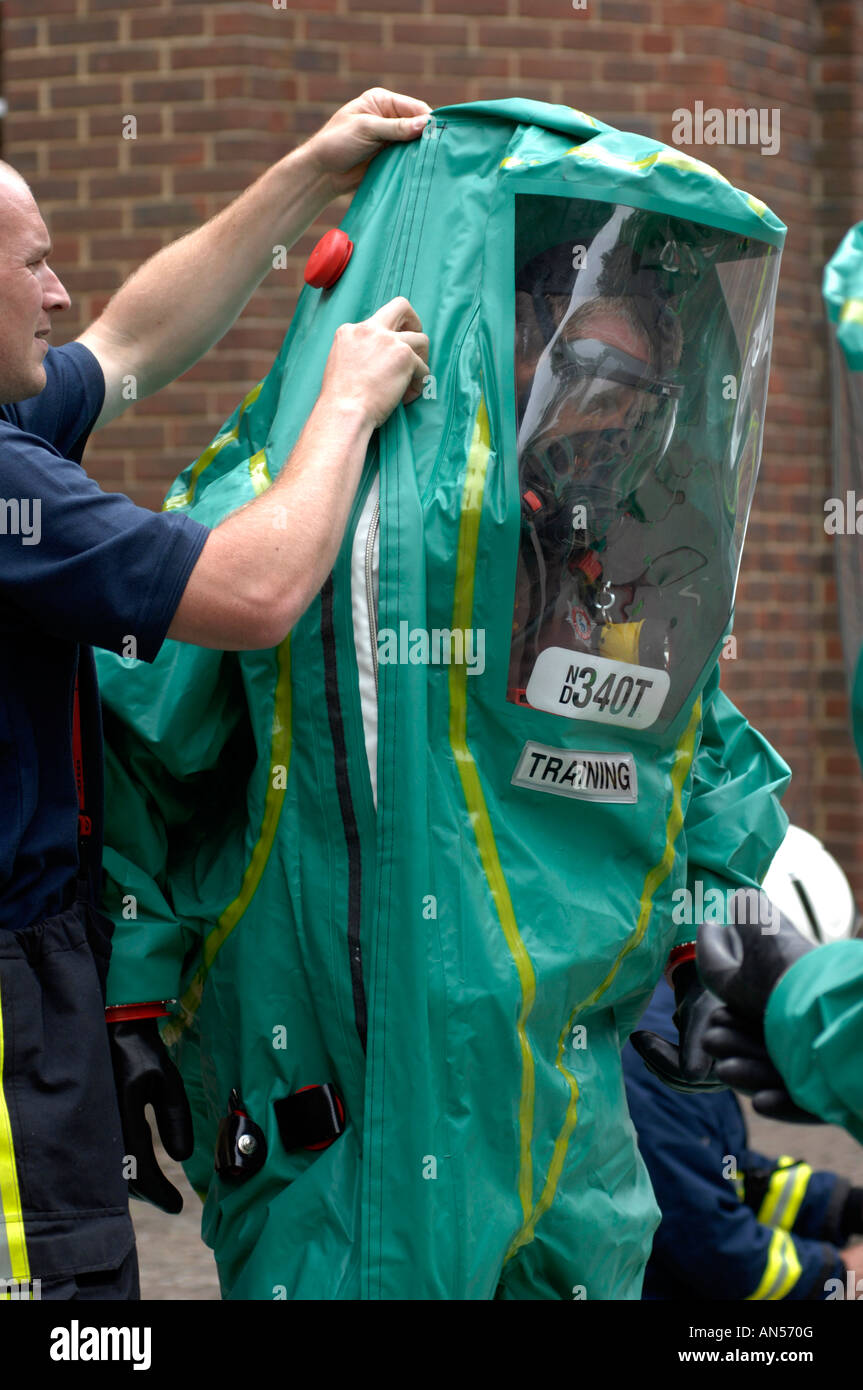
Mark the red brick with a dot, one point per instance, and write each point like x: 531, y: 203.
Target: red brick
x: 210, y: 56
x: 366, y: 58
x: 350, y: 29
x: 432, y: 33
x: 83, y: 31
x: 44, y: 65
x: 23, y: 9
x: 167, y: 26
x: 126, y: 185
x: 164, y: 214
x: 83, y: 157
x: 168, y: 90
x: 87, y: 95
x: 167, y: 152
x: 128, y: 60
x: 657, y: 43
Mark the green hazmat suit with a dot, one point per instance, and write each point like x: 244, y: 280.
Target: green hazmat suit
x: 425, y: 850
x: 814, y: 1020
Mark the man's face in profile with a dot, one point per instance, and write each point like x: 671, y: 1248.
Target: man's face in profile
x: 29, y: 291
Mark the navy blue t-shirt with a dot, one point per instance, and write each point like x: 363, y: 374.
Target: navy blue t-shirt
x: 79, y: 568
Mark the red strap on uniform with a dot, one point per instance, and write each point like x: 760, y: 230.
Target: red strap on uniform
x: 85, y: 825
x: 122, y: 1013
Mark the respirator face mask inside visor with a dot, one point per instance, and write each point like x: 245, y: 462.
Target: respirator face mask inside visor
x: 608, y: 422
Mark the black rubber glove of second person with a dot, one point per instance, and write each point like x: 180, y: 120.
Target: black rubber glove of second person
x: 742, y: 964
x: 145, y: 1075
x: 685, y: 1066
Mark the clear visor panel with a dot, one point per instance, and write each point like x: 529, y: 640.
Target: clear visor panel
x: 841, y: 513
x: 642, y: 351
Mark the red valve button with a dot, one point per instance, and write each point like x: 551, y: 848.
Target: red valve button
x: 328, y: 259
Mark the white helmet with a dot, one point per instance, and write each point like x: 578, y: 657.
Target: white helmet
x: 807, y: 884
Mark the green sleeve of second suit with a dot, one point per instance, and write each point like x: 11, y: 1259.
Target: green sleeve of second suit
x: 169, y: 730
x: 734, y: 821
x: 814, y: 1032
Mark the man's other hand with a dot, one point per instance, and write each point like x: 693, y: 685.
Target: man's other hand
x: 379, y: 362
x: 343, y: 149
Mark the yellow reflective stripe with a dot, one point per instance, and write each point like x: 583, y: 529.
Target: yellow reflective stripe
x: 259, y: 473
x: 675, y: 159
x: 185, y: 499
x: 781, y: 1272
x: 851, y: 311
x: 472, y: 496
x: 280, y: 756
x: 756, y: 204
x: 785, y: 1193
x: 11, y: 1215
x: 683, y: 755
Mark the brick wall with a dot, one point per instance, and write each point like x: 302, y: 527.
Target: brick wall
x: 219, y: 89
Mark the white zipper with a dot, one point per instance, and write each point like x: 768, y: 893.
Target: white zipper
x: 364, y: 614
x: 371, y: 595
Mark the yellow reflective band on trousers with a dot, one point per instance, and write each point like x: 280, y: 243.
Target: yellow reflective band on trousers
x: 480, y: 820
x: 781, y: 1272
x: 785, y: 1193
x: 280, y: 757
x: 655, y: 877
x: 14, y: 1263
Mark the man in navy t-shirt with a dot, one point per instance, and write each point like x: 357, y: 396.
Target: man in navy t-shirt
x: 82, y: 568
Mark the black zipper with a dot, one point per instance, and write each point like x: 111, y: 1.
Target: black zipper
x: 346, y: 806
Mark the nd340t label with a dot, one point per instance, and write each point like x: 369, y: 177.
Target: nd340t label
x: 597, y: 688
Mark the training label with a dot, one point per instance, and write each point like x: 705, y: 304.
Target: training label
x: 588, y: 776
x: 597, y: 688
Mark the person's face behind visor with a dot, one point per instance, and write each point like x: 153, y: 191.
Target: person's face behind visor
x: 589, y: 428
x: 584, y: 404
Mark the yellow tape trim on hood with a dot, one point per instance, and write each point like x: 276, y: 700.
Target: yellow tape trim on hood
x: 185, y: 499
x: 10, y: 1196
x: 851, y: 311
x: 280, y: 756
x: 683, y: 756
x: 480, y: 820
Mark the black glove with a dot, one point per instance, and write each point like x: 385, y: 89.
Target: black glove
x: 145, y: 1075
x: 851, y: 1217
x: 686, y: 1067
x: 742, y: 964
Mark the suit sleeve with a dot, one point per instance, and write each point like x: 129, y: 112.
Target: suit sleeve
x: 814, y: 1033
x: 175, y: 766
x: 709, y: 1240
x: 786, y: 1192
x: 734, y: 821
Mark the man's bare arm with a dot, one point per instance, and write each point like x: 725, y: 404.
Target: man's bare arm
x: 173, y: 309
x: 260, y: 569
